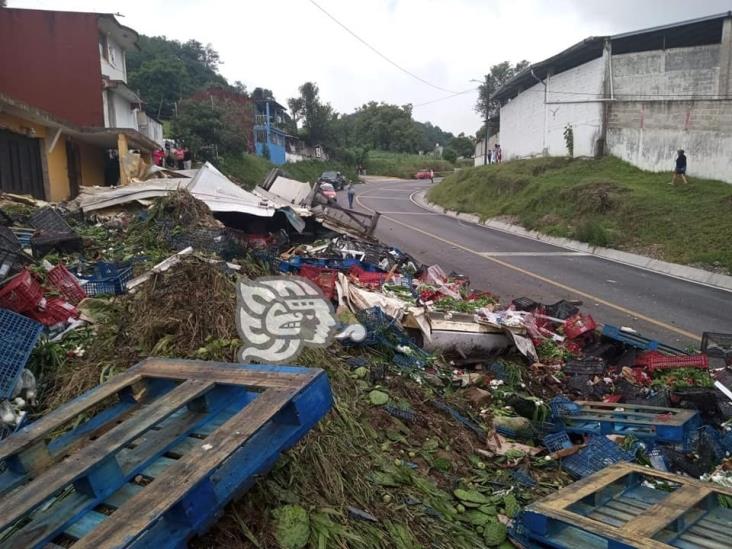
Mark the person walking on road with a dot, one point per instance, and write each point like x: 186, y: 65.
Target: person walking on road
x: 680, y: 169
x: 351, y: 193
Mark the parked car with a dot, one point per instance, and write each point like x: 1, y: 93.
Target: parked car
x: 334, y: 178
x: 327, y: 190
x: 423, y: 174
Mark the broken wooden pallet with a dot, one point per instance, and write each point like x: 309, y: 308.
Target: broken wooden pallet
x: 149, y: 458
x: 628, y: 506
x: 668, y: 425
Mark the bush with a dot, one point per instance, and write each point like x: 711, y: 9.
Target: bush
x: 593, y: 233
x: 449, y: 155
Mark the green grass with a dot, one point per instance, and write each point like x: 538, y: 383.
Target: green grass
x: 249, y: 170
x: 404, y: 165
x: 246, y: 169
x: 605, y: 202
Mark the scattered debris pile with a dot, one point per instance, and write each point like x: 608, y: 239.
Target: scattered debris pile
x: 451, y: 413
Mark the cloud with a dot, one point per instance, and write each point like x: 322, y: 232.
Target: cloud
x: 279, y: 44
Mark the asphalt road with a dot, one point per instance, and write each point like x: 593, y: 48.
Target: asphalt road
x: 658, y: 306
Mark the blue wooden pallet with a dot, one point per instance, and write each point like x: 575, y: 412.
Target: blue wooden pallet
x: 164, y: 447
x: 628, y: 506
x: 667, y: 425
x: 638, y: 341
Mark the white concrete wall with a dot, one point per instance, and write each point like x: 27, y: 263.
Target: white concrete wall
x: 124, y: 115
x: 663, y: 73
x: 530, y: 128
x: 479, y: 156
x: 115, y: 68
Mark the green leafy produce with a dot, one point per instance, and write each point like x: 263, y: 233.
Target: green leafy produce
x: 471, y: 496
x: 682, y: 378
x: 463, y: 306
x: 378, y: 398
x: 494, y: 533
x: 511, y: 505
x: 292, y: 526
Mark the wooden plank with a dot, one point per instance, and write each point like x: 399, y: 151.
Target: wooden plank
x: 154, y: 442
x: 28, y: 435
x: 597, y: 527
x: 35, y: 492
x: 663, y: 513
x: 220, y: 373
x: 133, y: 518
x: 48, y: 520
x: 584, y: 487
x: 86, y: 523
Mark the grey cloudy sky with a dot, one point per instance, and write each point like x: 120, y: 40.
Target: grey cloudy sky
x: 279, y: 44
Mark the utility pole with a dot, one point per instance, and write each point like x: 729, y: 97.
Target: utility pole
x: 485, y: 144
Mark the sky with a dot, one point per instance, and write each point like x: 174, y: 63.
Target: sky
x: 279, y: 44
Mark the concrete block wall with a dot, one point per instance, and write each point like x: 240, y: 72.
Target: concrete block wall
x: 667, y: 73
x: 648, y: 134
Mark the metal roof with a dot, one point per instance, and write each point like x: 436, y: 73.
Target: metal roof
x: 693, y: 32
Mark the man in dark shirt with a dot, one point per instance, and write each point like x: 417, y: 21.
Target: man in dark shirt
x: 680, y: 169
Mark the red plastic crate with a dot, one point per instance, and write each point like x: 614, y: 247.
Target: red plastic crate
x: 653, y: 360
x: 578, y: 325
x: 324, y: 278
x: 57, y: 310
x: 21, y: 293
x: 60, y: 278
x: 368, y: 277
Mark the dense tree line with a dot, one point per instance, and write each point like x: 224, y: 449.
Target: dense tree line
x: 180, y: 82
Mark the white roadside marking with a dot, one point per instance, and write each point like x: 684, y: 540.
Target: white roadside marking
x: 534, y: 254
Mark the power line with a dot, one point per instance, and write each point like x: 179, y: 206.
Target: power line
x: 377, y: 52
x: 445, y: 98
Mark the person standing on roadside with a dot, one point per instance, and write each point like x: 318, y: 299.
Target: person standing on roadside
x: 351, y: 193
x: 680, y: 169
x: 432, y: 175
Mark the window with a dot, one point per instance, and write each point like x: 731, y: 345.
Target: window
x: 260, y: 136
x: 103, y: 46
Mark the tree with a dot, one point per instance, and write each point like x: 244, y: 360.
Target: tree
x: 204, y: 123
x: 497, y: 76
x: 161, y: 83
x: 318, y: 119
x: 462, y: 145
x: 164, y: 71
x: 260, y: 94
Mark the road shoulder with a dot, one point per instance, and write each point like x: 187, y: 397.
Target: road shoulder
x: 683, y: 272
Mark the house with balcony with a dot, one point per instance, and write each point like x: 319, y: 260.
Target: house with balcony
x: 67, y: 115
x: 270, y: 139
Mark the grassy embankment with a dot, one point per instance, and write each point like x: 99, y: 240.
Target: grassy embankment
x: 404, y: 165
x: 605, y: 202
x: 250, y: 170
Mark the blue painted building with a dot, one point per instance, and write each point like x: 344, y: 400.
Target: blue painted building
x: 269, y: 119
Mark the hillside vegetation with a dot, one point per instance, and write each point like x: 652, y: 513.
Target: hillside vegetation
x: 605, y: 202
x: 404, y: 165
x: 249, y: 170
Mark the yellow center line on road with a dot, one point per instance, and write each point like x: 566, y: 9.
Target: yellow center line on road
x: 620, y: 308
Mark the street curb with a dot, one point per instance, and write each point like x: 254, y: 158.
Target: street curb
x: 691, y: 274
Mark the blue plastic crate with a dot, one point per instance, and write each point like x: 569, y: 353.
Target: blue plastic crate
x: 406, y: 415
x: 523, y: 478
x: 599, y: 453
x: 108, y: 279
x: 557, y: 441
x: 457, y: 416
x: 18, y: 336
x: 562, y: 406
